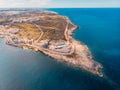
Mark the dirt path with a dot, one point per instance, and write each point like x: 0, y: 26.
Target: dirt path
x: 40, y: 31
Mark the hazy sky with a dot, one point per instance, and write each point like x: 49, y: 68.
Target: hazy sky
x: 59, y: 3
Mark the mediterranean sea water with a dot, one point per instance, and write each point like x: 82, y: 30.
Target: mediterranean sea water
x: 99, y: 30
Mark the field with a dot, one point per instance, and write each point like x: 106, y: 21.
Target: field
x: 52, y: 26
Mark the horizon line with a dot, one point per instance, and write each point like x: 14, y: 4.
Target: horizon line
x: 53, y: 7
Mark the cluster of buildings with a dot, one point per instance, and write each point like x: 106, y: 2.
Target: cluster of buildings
x: 3, y: 26
x: 20, y: 20
x: 17, y: 40
x: 62, y: 47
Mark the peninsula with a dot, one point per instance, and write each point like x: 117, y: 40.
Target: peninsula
x: 49, y: 33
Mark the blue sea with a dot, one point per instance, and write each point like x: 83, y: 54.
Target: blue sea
x: 99, y: 30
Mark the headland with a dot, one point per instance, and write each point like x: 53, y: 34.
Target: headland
x: 49, y: 33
